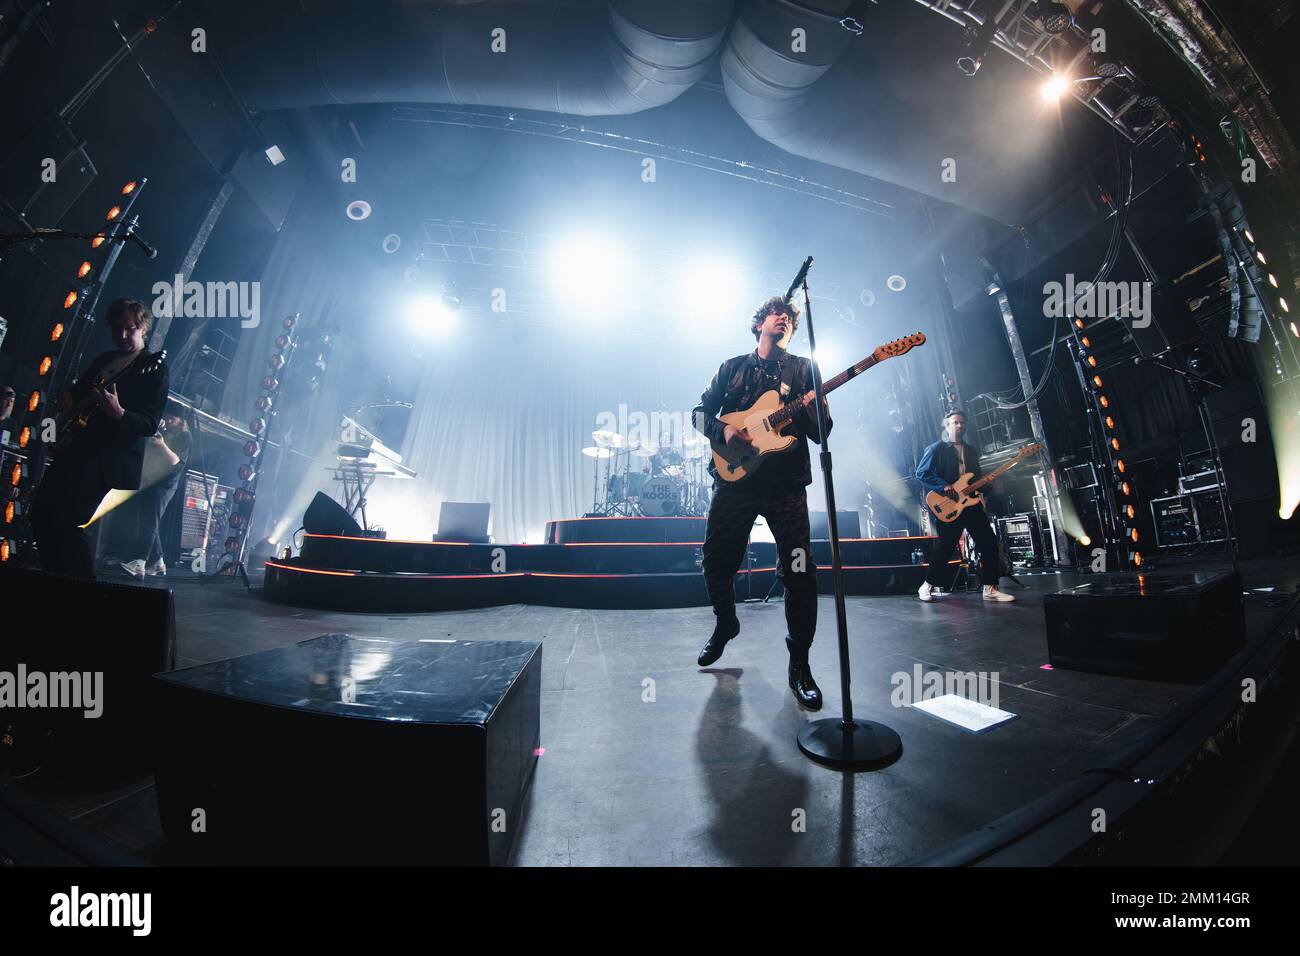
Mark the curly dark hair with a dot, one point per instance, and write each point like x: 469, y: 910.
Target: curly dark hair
x: 132, y: 312
x: 775, y: 304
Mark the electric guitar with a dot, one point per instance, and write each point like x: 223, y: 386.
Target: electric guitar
x: 764, y: 421
x: 74, y: 421
x: 967, y: 490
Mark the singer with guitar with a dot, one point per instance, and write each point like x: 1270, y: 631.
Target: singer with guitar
x: 112, y: 409
x: 776, y: 491
x: 942, y: 464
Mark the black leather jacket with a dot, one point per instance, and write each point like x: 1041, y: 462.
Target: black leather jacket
x: 116, y: 446
x: 738, y: 384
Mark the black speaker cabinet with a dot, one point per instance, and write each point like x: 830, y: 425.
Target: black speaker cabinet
x: 1167, y: 627
x: 351, y: 750
x: 94, y: 639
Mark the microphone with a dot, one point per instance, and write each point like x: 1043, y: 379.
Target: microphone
x: 798, y: 280
x: 149, y: 251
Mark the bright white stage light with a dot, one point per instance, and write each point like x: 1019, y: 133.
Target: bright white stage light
x: 588, y: 269
x: 1055, y: 88
x: 430, y: 317
x: 713, y: 289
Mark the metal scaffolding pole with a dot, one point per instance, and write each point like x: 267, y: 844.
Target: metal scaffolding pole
x: 1059, y: 544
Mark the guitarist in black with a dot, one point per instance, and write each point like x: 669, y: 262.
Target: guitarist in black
x: 776, y: 491
x: 109, y: 452
x: 941, y: 464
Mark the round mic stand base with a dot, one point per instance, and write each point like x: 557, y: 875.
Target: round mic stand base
x: 855, y: 745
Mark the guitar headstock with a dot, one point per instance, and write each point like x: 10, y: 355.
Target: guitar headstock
x: 1028, y: 450
x: 899, y: 346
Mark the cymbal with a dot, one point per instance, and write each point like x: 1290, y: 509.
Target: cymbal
x: 594, y: 452
x: 605, y: 438
x: 694, y: 440
x: 645, y: 451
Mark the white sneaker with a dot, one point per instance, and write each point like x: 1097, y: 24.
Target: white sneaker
x: 134, y: 568
x: 927, y: 592
x: 991, y: 593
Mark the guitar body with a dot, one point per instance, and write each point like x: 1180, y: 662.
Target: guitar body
x: 948, y: 510
x: 767, y: 440
x: 767, y: 420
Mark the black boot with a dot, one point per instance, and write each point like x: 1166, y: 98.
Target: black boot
x: 724, y: 630
x: 806, y: 691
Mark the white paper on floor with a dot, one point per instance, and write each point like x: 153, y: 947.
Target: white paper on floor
x: 969, y: 715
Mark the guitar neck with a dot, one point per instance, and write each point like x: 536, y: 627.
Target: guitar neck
x: 790, y: 409
x: 993, y: 475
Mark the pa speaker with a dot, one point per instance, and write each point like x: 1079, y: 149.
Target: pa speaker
x: 326, y: 516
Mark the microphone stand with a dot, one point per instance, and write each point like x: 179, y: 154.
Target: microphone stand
x: 847, y: 742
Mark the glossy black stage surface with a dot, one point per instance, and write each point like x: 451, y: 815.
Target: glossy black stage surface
x: 648, y: 760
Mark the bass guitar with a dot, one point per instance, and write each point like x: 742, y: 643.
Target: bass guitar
x: 967, y: 488
x: 764, y: 421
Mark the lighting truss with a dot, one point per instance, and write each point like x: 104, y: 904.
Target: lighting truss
x: 1102, y: 84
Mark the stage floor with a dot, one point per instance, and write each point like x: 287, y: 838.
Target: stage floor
x: 649, y: 760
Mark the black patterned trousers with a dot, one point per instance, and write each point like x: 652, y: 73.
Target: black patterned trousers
x: 731, y: 516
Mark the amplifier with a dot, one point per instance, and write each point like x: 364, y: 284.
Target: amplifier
x: 1200, y: 481
x: 1020, y: 539
x: 1174, y: 520
x: 1209, y: 515
x: 198, y: 524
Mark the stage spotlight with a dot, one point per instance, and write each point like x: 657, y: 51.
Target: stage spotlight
x: 56, y: 333
x: 69, y: 300
x: 1294, y: 331
x: 430, y: 316
x: 44, y: 367
x: 1055, y: 87
x: 977, y: 46
x: 357, y: 210
x: 1085, y: 541
x: 1054, y: 15
x: 1272, y: 280
x: 1260, y: 256
x: 1282, y: 303
x: 275, y: 155
x: 896, y: 283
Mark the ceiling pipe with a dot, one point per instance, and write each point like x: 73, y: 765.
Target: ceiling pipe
x: 510, y: 55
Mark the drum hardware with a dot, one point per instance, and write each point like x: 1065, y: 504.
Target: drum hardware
x: 658, y: 478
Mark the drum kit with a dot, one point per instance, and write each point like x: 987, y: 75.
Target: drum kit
x: 650, y: 479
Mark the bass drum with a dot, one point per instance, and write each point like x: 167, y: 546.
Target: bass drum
x: 661, y: 497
